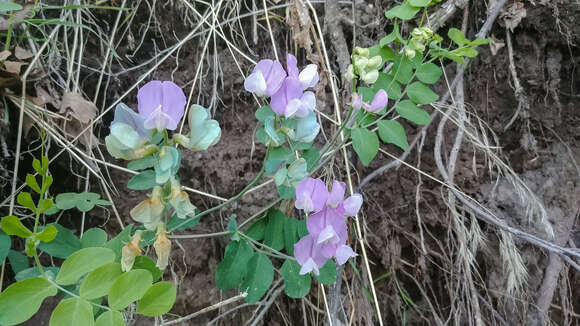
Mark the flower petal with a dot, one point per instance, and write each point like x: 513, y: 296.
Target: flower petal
x: 273, y: 73
x: 357, y: 101
x: 303, y: 249
x: 173, y: 103
x: 309, y: 76
x: 150, y: 97
x: 308, y: 104
x: 311, y: 195
x: 343, y: 253
x: 292, y: 66
x: 255, y: 83
x: 290, y: 89
x: 352, y: 205
x: 159, y: 120
x: 336, y: 194
x: 379, y: 102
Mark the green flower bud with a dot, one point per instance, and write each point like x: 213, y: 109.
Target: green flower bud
x: 427, y: 32
x: 370, y: 77
x: 360, y: 63
x: 410, y: 53
x: 180, y: 201
x: 363, y: 52
x: 349, y: 74
x: 417, y: 33
x: 418, y: 46
x: 374, y: 62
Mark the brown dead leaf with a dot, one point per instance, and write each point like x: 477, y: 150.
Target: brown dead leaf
x: 14, y: 67
x: 4, y: 55
x: 22, y: 54
x: 513, y: 14
x: 17, y: 16
x: 43, y: 97
x: 495, y: 45
x: 74, y: 127
x: 81, y: 109
x: 299, y: 22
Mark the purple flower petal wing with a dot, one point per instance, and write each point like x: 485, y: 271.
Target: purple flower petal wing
x: 311, y: 195
x: 173, y: 103
x: 343, y: 253
x: 290, y: 90
x: 336, y: 194
x: 303, y: 249
x: 352, y: 205
x: 124, y: 114
x: 309, y: 76
x: 379, y: 102
x: 150, y: 97
x: 308, y: 101
x: 159, y: 120
x: 357, y: 101
x: 273, y: 74
x: 255, y: 83
x: 292, y: 66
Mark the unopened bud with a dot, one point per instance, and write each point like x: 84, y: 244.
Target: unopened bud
x: 349, y: 74
x: 162, y: 248
x: 370, y: 77
x: 410, y: 53
x: 363, y: 52
x: 129, y: 251
x: 374, y: 62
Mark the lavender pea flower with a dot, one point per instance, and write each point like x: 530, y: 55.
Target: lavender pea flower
x: 291, y: 100
x: 379, y: 102
x: 308, y: 255
x: 162, y: 104
x: 266, y: 78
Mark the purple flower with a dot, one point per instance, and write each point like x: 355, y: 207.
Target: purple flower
x: 266, y: 78
x: 327, y: 227
x: 311, y: 195
x: 291, y: 100
x: 379, y: 102
x: 162, y: 104
x: 308, y: 255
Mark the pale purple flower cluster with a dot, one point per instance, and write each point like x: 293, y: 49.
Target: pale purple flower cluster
x: 285, y: 89
x: 161, y: 104
x: 326, y: 225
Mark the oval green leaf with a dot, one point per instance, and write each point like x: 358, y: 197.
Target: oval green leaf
x: 99, y: 281
x: 429, y: 73
x: 296, y: 285
x: 22, y: 299
x: 259, y: 278
x: 146, y: 263
x: 392, y: 132
x: 48, y: 234
x: 158, y: 300
x: 274, y: 235
x: 72, y: 311
x: 327, y: 273
x: 63, y: 245
x: 110, y: 318
x: 421, y: 94
x: 142, y: 181
x: 94, y: 237
x: 82, y: 262
x: 412, y: 112
x: 128, y: 288
x: 404, y: 12
x: 231, y: 271
x: 365, y: 143
x: 12, y: 226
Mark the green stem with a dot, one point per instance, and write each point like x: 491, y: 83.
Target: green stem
x: 276, y: 253
x: 76, y: 296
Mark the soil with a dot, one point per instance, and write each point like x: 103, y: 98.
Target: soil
x: 542, y: 147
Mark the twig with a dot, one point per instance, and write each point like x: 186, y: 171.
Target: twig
x: 519, y: 91
x: 267, y: 305
x: 207, y: 309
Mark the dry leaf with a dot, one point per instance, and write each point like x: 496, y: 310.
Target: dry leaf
x: 495, y: 45
x: 299, y: 21
x: 4, y: 55
x: 82, y: 109
x: 17, y: 16
x: 43, y: 97
x: 22, y: 54
x: 513, y: 14
x: 14, y: 67
x: 73, y: 128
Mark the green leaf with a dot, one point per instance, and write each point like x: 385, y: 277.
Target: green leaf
x: 24, y: 274
x: 44, y: 205
x: 146, y: 263
x: 274, y: 235
x: 286, y: 192
x: 129, y: 287
x: 94, y: 237
x: 264, y: 112
x: 117, y: 243
x: 259, y: 278
x: 421, y: 94
x: 203, y: 131
x: 367, y: 93
x: 393, y: 36
x: 36, y: 166
x: 234, y: 266
x: 290, y: 235
x: 5, y: 244
x: 142, y: 181
x: 158, y: 300
x: 48, y: 234
x: 327, y: 273
x: 276, y: 158
x: 110, y: 318
x: 47, y: 183
x: 82, y: 262
x: 479, y: 41
x: 404, y: 12
x: 365, y: 143
x: 66, y: 200
x: 143, y: 163
x: 311, y: 155
x: 99, y: 281
x: 276, y: 137
x: 175, y: 221
x: 25, y: 200
x: 466, y: 52
x: 412, y: 112
x: 31, y: 181
x: 63, y: 245
x: 384, y: 52
x: 302, y: 229
x: 13, y: 226
x: 72, y: 311
x: 256, y: 230
x: 403, y: 70
x: 22, y: 299
x: 457, y: 36
x: 296, y: 286
x: 392, y: 132
x: 386, y: 82
x: 419, y: 3
x: 429, y: 73
x: 17, y: 261
x: 9, y: 6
